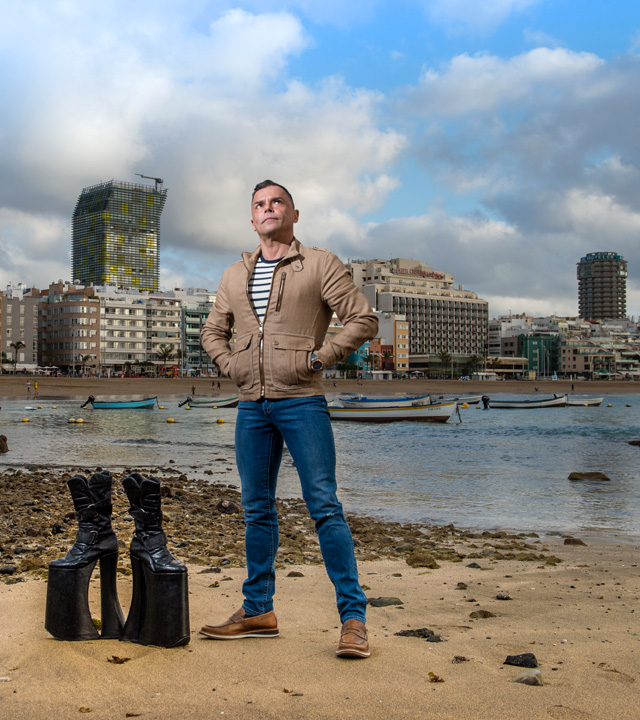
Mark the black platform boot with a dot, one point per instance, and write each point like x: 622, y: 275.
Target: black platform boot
x: 67, y: 612
x: 159, y: 613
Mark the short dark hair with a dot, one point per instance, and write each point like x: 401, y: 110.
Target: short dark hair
x: 270, y: 183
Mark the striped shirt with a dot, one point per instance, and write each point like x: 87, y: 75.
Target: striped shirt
x: 260, y: 285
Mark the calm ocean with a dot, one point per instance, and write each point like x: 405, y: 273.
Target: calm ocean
x: 497, y: 469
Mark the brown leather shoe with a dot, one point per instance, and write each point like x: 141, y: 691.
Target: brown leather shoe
x: 353, y: 640
x: 238, y: 626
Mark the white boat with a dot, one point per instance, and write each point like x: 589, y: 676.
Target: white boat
x: 460, y: 399
x: 436, y: 412
x: 528, y: 404
x: 576, y: 400
x: 228, y: 402
x: 362, y: 401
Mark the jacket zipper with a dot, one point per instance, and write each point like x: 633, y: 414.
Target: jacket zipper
x: 261, y: 331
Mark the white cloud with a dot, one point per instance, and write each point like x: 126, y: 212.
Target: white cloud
x: 486, y: 83
x: 30, y: 248
x: 472, y: 15
x: 208, y: 106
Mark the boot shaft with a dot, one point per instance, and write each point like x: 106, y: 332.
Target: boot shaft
x: 92, y: 501
x: 149, y: 543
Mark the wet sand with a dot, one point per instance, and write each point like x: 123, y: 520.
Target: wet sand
x: 572, y: 605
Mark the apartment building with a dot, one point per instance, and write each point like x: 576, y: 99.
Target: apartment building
x: 578, y: 356
x: 19, y: 325
x: 69, y: 328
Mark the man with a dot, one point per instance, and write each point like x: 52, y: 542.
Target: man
x: 281, y: 299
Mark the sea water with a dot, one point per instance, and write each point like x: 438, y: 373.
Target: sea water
x: 495, y: 469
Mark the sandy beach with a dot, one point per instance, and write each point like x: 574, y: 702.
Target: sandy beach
x: 14, y: 386
x: 571, y: 605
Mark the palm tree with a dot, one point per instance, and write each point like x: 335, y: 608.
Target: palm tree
x: 179, y: 356
x: 369, y: 360
x: 17, y: 346
x: 473, y: 362
x: 164, y: 353
x: 445, y: 359
x: 84, y: 359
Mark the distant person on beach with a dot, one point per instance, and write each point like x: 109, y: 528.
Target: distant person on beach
x: 28, y: 388
x: 277, y: 362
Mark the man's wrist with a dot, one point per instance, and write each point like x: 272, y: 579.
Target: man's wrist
x: 315, y: 363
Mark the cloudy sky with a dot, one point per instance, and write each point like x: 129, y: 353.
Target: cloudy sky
x: 495, y: 140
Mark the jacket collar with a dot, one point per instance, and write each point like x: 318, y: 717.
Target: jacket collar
x: 251, y: 258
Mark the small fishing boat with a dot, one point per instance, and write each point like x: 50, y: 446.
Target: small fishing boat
x: 576, y: 400
x: 460, y: 399
x: 362, y: 401
x: 528, y: 404
x: 436, y: 412
x: 228, y: 402
x: 145, y: 404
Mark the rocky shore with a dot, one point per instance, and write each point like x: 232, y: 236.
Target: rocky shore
x: 204, y: 523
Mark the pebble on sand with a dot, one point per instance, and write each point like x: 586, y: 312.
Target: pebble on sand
x: 529, y: 677
x: 525, y: 660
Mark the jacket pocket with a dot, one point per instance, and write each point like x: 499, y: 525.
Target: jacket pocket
x: 289, y: 360
x: 241, y: 363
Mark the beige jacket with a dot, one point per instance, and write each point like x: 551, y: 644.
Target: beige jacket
x: 272, y: 361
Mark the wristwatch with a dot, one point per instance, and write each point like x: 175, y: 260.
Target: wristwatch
x: 315, y: 363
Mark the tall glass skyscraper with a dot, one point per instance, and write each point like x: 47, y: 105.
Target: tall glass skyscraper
x: 116, y: 235
x: 602, y: 286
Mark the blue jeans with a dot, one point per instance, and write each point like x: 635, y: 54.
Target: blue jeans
x: 303, y: 424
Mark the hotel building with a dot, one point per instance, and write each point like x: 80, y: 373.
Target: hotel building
x: 116, y: 235
x: 602, y: 286
x: 440, y: 316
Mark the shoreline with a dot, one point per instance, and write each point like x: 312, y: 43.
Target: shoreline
x: 14, y: 386
x: 571, y: 605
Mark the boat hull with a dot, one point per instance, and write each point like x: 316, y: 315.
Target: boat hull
x: 384, y: 402
x: 146, y: 404
x: 438, y: 412
x: 229, y: 402
x: 461, y: 399
x: 536, y: 403
x: 582, y: 402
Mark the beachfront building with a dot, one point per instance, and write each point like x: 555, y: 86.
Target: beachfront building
x: 19, y: 326
x: 116, y: 235
x: 393, y: 331
x: 504, y: 332
x: 584, y: 358
x: 442, y: 318
x: 602, y: 286
x: 541, y: 352
x: 69, y: 328
x: 196, y: 304
x: 140, y: 332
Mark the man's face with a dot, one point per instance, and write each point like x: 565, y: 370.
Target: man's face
x: 273, y: 214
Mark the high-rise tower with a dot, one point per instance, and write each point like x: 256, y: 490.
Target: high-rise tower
x: 116, y: 235
x: 602, y: 286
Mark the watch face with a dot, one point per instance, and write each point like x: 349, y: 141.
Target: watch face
x: 317, y: 365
